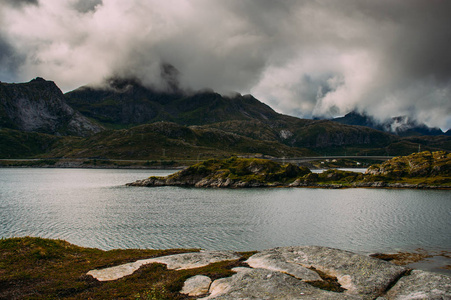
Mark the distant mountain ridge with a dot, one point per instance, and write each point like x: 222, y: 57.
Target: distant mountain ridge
x: 40, y: 106
x: 401, y: 125
x: 142, y: 123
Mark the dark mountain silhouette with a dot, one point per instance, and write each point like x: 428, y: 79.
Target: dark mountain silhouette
x: 401, y: 125
x: 127, y: 102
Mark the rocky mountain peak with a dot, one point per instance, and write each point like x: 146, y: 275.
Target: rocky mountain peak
x: 39, y: 106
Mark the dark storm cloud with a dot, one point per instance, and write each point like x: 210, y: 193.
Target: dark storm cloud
x: 9, y: 61
x: 85, y: 6
x: 322, y: 57
x: 18, y: 3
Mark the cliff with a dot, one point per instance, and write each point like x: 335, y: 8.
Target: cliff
x: 39, y: 106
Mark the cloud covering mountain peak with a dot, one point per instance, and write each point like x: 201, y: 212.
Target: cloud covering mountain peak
x: 303, y: 58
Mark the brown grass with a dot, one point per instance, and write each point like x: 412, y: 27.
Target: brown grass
x: 35, y: 268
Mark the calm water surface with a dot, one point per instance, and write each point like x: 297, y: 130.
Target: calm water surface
x: 93, y: 208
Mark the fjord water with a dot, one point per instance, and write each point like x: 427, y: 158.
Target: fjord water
x: 93, y: 208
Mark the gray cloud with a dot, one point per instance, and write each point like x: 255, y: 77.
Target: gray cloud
x: 9, y: 61
x: 304, y: 58
x: 18, y: 3
x: 85, y: 6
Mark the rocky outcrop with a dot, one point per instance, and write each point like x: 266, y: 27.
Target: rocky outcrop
x: 357, y: 274
x: 303, y: 272
x: 230, y: 173
x: 432, y: 168
x: 423, y: 164
x: 39, y: 106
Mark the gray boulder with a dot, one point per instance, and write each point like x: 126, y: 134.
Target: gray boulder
x: 196, y: 286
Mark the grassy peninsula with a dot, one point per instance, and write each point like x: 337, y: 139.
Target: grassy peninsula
x: 418, y: 170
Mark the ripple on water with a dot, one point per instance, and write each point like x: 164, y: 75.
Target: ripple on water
x: 93, y: 208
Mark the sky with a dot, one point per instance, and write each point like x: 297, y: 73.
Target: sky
x: 317, y: 58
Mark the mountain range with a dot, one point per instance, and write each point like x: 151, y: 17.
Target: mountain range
x: 123, y: 119
x: 400, y: 125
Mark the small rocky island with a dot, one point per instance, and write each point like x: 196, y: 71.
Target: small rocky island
x: 418, y: 170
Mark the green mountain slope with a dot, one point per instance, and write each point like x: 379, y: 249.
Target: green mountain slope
x: 164, y: 140
x: 19, y: 144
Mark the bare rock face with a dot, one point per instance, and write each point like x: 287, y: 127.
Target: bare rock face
x: 265, y: 284
x: 194, y: 259
x: 421, y: 285
x: 358, y: 274
x: 275, y: 261
x: 40, y: 106
x: 174, y: 262
x: 302, y: 272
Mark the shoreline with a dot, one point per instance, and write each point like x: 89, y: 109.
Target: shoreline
x: 88, y: 164
x: 51, y: 268
x: 219, y: 184
x: 417, y: 171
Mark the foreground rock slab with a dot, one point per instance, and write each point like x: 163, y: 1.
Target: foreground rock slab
x: 250, y: 283
x: 421, y: 285
x: 275, y: 261
x: 358, y: 274
x: 302, y: 272
x: 174, y: 262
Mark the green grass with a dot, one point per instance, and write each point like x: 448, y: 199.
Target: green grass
x: 19, y: 144
x: 168, y: 141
